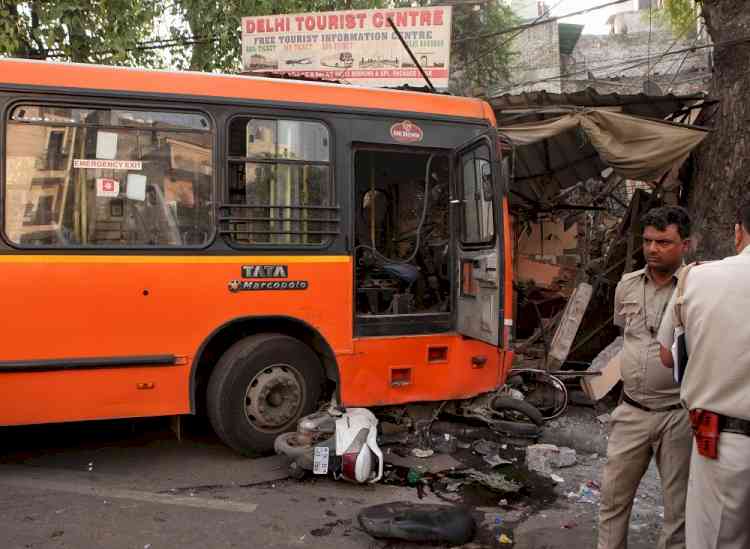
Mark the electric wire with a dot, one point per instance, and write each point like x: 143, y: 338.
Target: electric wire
x: 425, y: 203
x: 679, y: 69
x: 640, y: 61
x: 534, y: 24
x: 624, y: 60
x: 677, y: 39
x: 504, y: 43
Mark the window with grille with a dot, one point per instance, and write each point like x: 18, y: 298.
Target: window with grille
x: 280, y: 189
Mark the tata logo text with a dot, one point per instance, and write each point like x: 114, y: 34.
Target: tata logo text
x: 265, y: 271
x: 406, y: 132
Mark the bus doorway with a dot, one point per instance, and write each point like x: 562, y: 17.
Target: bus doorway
x: 403, y: 275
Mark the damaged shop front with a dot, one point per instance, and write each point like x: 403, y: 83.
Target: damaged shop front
x: 585, y: 168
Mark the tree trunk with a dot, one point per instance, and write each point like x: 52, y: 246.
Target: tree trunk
x: 722, y: 179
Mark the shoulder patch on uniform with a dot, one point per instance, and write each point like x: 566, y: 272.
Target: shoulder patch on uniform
x: 634, y: 274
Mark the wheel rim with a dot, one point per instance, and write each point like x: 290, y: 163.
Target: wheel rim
x: 545, y: 391
x: 274, y: 397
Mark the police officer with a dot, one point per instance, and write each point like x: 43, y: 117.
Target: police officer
x: 650, y: 421
x: 714, y: 313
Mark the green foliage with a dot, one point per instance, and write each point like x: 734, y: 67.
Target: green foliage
x: 478, y: 65
x: 87, y: 31
x: 678, y: 15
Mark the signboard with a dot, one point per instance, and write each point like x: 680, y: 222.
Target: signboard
x: 357, y: 46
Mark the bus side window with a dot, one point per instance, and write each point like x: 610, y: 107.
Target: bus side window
x: 279, y: 186
x: 80, y: 177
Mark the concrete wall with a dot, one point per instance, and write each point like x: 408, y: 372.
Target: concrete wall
x: 614, y: 63
x: 538, y: 58
x: 617, y: 62
x: 525, y: 9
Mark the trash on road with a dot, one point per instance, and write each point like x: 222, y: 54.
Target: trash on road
x: 495, y: 460
x: 486, y: 447
x: 588, y: 492
x: 418, y: 522
x: 493, y: 481
x: 433, y: 464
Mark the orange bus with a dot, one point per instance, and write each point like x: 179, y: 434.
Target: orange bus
x: 179, y: 243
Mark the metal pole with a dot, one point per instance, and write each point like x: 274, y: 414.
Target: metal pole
x: 408, y: 50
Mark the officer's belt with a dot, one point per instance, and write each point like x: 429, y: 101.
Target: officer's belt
x: 640, y: 406
x: 734, y: 425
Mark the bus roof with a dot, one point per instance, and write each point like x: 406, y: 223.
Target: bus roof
x: 24, y: 72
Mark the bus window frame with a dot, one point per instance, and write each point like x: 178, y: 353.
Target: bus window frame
x: 272, y: 113
x: 459, y: 189
x: 151, y: 105
x: 422, y: 323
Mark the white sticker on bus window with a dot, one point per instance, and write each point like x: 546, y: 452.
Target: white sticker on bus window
x: 136, y: 189
x: 106, y: 145
x: 93, y: 164
x: 107, y: 187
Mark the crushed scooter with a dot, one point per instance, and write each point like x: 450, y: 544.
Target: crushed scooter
x: 337, y: 442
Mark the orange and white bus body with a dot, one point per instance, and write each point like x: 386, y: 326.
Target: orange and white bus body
x: 158, y: 227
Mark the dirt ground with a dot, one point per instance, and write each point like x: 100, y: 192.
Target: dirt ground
x: 131, y: 484
x: 571, y: 521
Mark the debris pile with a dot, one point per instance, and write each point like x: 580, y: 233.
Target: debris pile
x: 544, y: 457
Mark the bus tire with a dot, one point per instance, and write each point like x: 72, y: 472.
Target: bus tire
x: 259, y: 389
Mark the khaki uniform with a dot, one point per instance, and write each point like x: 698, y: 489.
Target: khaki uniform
x: 715, y: 317
x: 637, y: 435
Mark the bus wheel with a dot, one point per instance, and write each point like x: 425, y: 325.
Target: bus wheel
x: 259, y: 389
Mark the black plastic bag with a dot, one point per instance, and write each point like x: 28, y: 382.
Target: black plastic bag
x: 418, y: 522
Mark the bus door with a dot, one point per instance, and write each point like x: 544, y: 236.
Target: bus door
x: 476, y: 209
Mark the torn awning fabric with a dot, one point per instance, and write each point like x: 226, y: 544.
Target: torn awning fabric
x: 636, y: 148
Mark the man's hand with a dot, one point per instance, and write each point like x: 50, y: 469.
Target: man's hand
x: 666, y: 357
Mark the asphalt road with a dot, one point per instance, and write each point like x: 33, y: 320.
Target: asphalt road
x: 132, y: 484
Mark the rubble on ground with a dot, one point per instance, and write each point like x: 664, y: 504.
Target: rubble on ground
x: 513, y: 480
x: 545, y: 457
